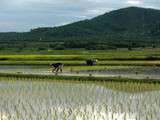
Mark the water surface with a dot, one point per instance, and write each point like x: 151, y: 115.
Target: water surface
x: 46, y: 100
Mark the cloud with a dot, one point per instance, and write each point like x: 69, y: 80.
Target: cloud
x: 23, y: 15
x: 134, y: 2
x: 98, y: 11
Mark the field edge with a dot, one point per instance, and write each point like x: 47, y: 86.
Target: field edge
x: 75, y: 78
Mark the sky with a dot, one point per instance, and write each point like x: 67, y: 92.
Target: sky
x: 23, y: 15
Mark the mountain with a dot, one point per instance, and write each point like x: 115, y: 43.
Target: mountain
x: 127, y: 27
x: 132, y: 19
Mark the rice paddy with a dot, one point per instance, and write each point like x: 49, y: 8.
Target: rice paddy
x: 124, y: 85
x: 62, y: 100
x: 134, y: 72
x: 141, y: 57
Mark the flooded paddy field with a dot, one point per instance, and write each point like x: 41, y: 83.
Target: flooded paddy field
x: 61, y: 100
x: 136, y: 72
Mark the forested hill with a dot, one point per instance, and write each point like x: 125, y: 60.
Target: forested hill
x: 127, y: 27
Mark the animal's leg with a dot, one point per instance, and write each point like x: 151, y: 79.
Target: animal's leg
x: 57, y: 69
x: 53, y: 70
x: 60, y: 68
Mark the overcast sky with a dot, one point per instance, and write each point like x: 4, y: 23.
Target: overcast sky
x: 23, y: 15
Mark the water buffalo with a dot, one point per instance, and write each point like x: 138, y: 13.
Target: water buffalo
x: 91, y: 62
x: 56, y: 67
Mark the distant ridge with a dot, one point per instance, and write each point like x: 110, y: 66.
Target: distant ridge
x: 126, y: 27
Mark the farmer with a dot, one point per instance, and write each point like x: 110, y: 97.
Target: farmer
x: 57, y: 67
x: 91, y: 62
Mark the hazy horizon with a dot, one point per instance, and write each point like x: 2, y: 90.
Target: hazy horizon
x: 23, y: 15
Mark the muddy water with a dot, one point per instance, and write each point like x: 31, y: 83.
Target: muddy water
x: 137, y: 72
x: 31, y: 100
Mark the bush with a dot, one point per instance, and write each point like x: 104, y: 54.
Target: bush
x: 41, y: 48
x: 59, y: 47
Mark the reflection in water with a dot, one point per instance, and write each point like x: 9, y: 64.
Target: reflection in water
x: 30, y: 100
x: 136, y: 72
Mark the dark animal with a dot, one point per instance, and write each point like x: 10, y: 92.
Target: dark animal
x: 91, y: 62
x: 57, y: 67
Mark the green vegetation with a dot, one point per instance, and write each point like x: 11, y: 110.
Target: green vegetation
x: 20, y: 76
x: 122, y: 57
x: 121, y: 54
x: 118, y: 84
x: 131, y: 86
x: 125, y: 28
x: 76, y: 100
x: 101, y: 64
x: 127, y: 38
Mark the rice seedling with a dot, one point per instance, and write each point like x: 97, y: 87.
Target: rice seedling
x: 146, y: 57
x: 28, y: 99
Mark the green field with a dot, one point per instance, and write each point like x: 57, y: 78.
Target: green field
x: 137, y: 57
x: 114, y: 83
x: 136, y: 60
x: 28, y: 89
x: 30, y: 99
x: 124, y: 83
